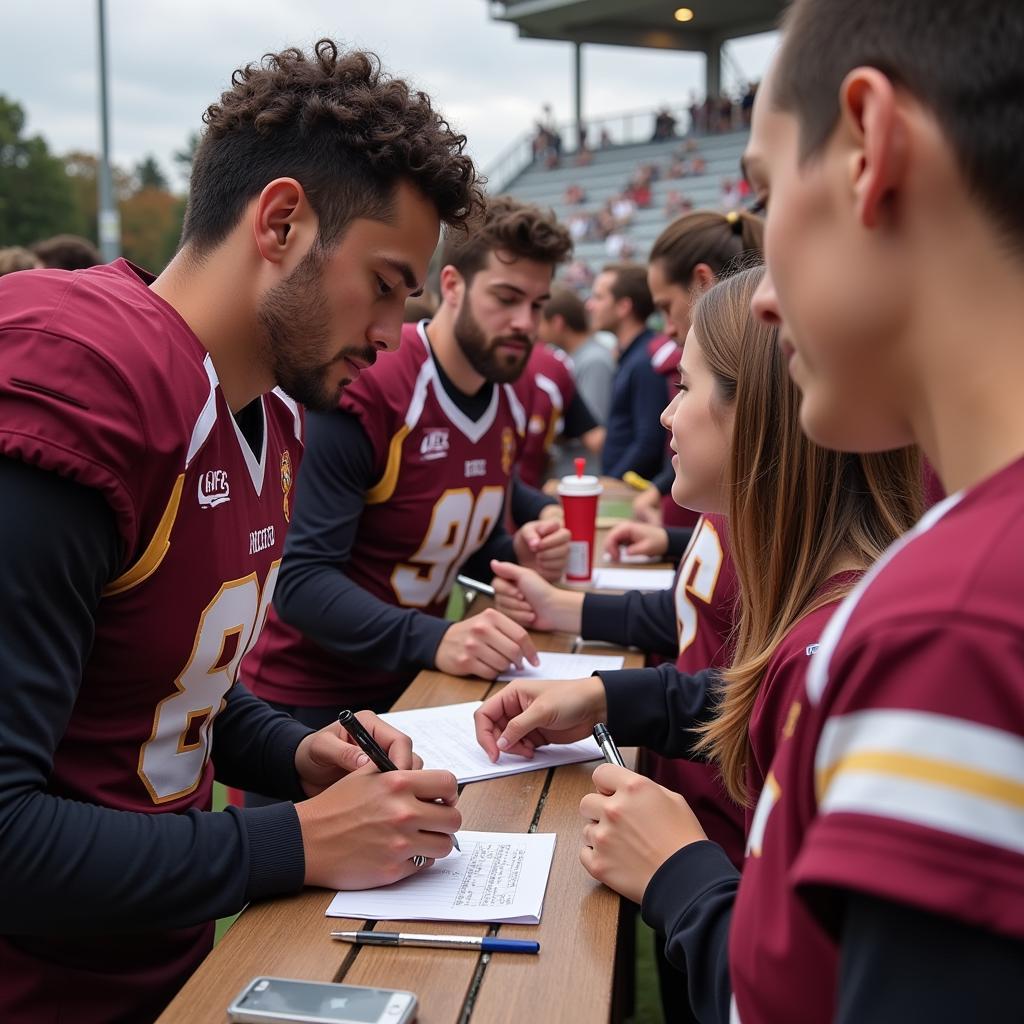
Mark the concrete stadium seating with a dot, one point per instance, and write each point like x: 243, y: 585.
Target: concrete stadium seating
x: 609, y: 174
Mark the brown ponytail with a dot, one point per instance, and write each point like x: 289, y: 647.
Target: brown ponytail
x: 721, y: 240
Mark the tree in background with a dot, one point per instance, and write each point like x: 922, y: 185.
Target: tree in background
x: 35, y: 197
x: 149, y: 175
x: 42, y: 195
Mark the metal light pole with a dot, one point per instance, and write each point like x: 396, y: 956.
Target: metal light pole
x: 109, y: 218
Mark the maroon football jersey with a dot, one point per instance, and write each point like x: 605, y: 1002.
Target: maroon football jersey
x: 545, y: 389
x: 441, y: 480
x: 705, y: 591
x: 903, y: 774
x: 102, y: 382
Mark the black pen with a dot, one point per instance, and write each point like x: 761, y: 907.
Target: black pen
x: 373, y: 750
x: 607, y: 745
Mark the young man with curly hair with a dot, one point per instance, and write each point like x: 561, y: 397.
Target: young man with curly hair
x: 405, y: 483
x: 149, y: 440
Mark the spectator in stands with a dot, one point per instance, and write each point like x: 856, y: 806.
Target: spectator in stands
x: 575, y: 195
x: 578, y: 276
x: 621, y: 303
x: 664, y: 126
x: 67, y: 252
x: 618, y: 246
x: 623, y: 208
x: 16, y: 258
x: 696, y: 109
x: 731, y: 198
x: 564, y: 324
x: 747, y: 103
x: 580, y: 225
x: 606, y: 139
x: 676, y: 204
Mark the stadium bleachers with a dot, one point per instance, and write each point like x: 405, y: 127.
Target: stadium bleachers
x: 609, y: 173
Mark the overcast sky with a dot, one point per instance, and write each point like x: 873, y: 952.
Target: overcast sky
x: 169, y: 59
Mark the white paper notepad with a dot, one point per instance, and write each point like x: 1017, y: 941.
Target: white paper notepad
x: 564, y: 666
x: 498, y: 876
x: 632, y: 579
x: 445, y: 738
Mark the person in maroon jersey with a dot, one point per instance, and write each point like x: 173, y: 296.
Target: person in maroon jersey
x: 686, y: 258
x: 556, y: 410
x: 404, y: 484
x: 149, y: 442
x: 734, y: 419
x: 883, y: 149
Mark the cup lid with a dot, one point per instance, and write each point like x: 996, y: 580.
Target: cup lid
x: 579, y: 486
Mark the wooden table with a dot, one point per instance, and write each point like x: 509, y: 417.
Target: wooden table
x: 571, y: 980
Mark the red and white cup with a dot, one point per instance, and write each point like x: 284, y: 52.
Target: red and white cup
x: 579, y: 495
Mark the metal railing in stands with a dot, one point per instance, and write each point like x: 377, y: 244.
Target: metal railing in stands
x: 624, y: 129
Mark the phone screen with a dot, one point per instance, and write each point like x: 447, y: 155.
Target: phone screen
x: 333, y: 1002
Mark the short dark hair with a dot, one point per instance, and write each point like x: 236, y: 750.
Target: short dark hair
x: 629, y: 281
x: 720, y: 240
x: 564, y: 302
x: 524, y: 231
x: 334, y: 121
x: 960, y: 58
x: 67, y: 252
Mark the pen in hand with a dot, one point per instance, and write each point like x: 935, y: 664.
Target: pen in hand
x: 373, y: 750
x: 607, y: 745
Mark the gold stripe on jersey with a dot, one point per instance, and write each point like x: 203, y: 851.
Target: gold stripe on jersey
x: 926, y: 769
x: 151, y: 558
x: 385, y: 487
x: 940, y: 772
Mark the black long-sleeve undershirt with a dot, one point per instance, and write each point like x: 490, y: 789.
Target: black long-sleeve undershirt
x: 70, y: 866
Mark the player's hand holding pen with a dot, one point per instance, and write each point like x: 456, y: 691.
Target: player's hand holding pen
x: 633, y: 826
x: 329, y: 754
x: 372, y: 828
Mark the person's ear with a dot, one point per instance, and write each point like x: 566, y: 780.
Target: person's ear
x: 871, y: 118
x: 284, y: 224
x: 703, y: 277
x: 453, y: 286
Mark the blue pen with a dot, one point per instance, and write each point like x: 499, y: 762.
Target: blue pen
x: 479, y: 943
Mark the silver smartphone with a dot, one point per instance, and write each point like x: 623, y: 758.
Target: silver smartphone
x: 319, y: 1002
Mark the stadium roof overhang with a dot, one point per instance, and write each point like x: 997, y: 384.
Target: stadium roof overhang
x: 646, y: 23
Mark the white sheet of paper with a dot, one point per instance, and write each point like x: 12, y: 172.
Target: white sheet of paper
x: 632, y: 579
x: 564, y: 666
x: 498, y: 876
x: 445, y: 738
x: 627, y: 559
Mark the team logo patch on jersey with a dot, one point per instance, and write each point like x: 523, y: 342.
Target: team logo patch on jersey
x: 434, y: 444
x: 508, y: 450
x: 286, y: 482
x: 537, y: 425
x: 476, y: 467
x: 213, y: 488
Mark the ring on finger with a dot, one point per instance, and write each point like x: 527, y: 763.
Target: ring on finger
x: 418, y: 860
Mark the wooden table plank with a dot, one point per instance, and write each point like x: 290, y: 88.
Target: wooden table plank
x: 580, y: 923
